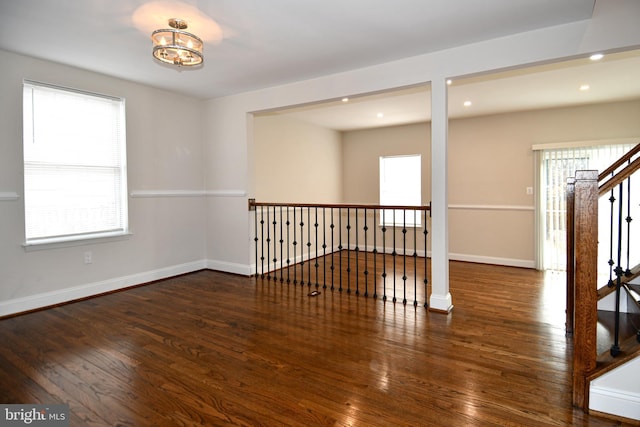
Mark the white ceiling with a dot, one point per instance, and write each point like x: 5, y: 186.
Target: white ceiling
x: 613, y: 78
x: 264, y: 42
x: 267, y: 43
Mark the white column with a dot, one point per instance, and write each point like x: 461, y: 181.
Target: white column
x: 440, y: 299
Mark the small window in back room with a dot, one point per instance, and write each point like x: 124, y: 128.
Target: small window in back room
x: 400, y: 185
x: 75, y: 175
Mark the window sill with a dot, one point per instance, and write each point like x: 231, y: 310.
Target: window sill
x: 44, y: 244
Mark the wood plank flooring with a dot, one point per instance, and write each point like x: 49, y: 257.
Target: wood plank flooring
x: 216, y: 349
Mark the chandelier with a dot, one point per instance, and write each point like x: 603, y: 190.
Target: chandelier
x: 176, y: 46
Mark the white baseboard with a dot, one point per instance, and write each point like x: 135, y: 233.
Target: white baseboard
x: 510, y: 262
x: 441, y: 303
x: 614, y: 402
x: 230, y: 267
x: 47, y: 299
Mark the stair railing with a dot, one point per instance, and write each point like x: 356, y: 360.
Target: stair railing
x: 582, y: 194
x: 611, y: 180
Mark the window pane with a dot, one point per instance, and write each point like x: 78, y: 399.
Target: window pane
x: 74, y: 163
x: 400, y: 184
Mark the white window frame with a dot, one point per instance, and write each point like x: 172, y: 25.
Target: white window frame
x: 70, y: 211
x: 389, y: 195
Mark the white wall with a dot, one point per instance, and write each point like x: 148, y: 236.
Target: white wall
x: 362, y: 150
x: 490, y: 166
x: 228, y: 126
x: 167, y: 231
x: 618, y: 392
x: 492, y: 219
x: 296, y: 162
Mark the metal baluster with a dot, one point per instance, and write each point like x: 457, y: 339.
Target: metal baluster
x: 309, y: 245
x: 415, y: 260
x: 288, y: 244
x: 612, y: 200
x: 333, y: 267
x: 628, y: 219
x: 348, y: 250
x: 295, y: 245
x: 615, y: 347
x: 324, y: 248
x: 281, y: 249
x: 340, y: 247
x: 301, y: 246
x: 375, y: 256
x: 357, y: 257
x: 404, y: 256
x: 275, y: 245
x: 262, y: 241
x: 394, y: 254
x: 255, y: 236
x: 268, y: 247
x: 366, y: 256
x: 384, y: 256
x: 426, y: 275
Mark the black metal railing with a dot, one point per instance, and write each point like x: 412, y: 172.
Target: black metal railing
x: 623, y: 259
x: 368, y: 250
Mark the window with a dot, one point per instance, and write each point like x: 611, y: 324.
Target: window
x: 74, y: 164
x: 556, y: 165
x: 400, y: 185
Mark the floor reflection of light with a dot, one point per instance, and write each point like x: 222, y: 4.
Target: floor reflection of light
x: 381, y: 369
x: 552, y: 313
x: 469, y: 403
x: 553, y: 298
x: 350, y: 416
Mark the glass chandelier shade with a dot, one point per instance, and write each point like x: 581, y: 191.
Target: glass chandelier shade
x: 176, y: 46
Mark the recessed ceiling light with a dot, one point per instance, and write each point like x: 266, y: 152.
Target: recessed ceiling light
x: 380, y: 115
x: 345, y: 99
x: 596, y: 57
x: 584, y: 87
x: 467, y: 103
x: 449, y: 81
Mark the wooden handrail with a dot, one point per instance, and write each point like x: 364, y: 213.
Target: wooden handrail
x: 622, y: 160
x: 619, y: 177
x: 253, y: 203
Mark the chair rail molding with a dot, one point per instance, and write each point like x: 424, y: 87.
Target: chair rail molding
x: 8, y: 196
x: 187, y: 193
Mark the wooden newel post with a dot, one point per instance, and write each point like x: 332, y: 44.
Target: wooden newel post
x: 571, y: 255
x: 586, y: 286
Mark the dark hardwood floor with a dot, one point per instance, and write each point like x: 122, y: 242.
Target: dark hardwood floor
x: 216, y: 349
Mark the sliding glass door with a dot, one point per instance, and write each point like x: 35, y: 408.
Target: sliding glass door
x: 555, y: 166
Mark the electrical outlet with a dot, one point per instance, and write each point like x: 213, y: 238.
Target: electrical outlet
x: 88, y: 257
x: 529, y: 191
